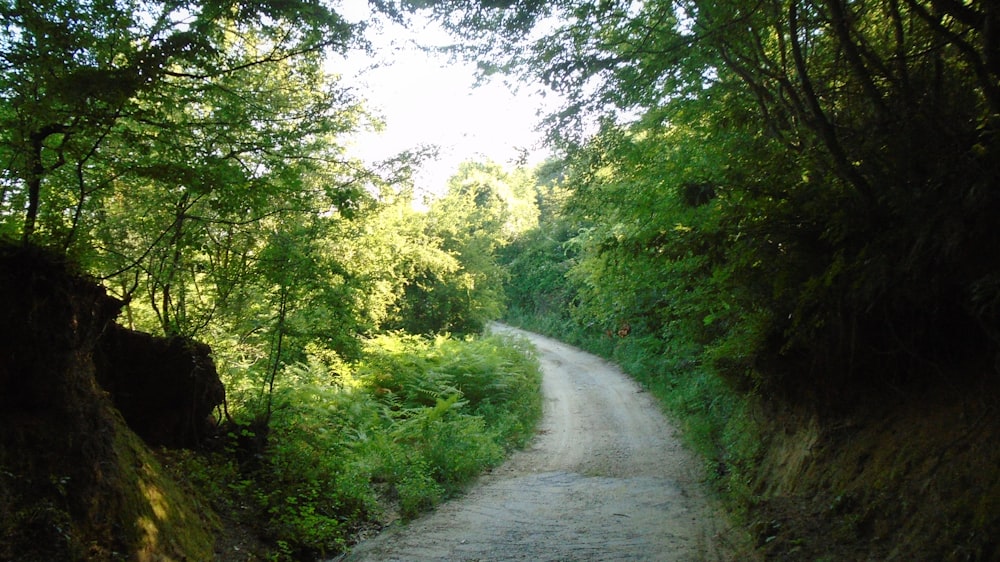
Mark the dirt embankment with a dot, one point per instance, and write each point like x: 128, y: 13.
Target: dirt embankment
x: 75, y: 482
x: 915, y: 478
x: 606, y: 479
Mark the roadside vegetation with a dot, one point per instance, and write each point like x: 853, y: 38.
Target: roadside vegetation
x: 191, y: 160
x: 553, y: 289
x: 780, y: 217
x: 780, y: 222
x: 351, y: 448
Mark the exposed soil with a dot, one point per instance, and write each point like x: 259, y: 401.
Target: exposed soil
x: 916, y: 479
x: 605, y: 479
x: 75, y: 482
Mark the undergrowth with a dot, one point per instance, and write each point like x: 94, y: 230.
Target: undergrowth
x: 715, y: 419
x: 351, y: 446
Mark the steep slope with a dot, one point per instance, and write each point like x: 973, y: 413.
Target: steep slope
x: 75, y: 482
x: 915, y: 479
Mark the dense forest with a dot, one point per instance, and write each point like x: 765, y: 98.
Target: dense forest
x: 181, y: 167
x: 778, y: 215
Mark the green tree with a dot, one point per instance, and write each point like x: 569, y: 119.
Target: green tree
x: 169, y: 135
x: 484, y: 208
x: 852, y: 220
x: 387, y: 251
x: 82, y: 81
x: 536, y: 261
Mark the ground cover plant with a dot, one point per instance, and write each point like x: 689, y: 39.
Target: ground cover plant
x: 352, y: 446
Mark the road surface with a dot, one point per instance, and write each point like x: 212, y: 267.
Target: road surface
x: 605, y: 479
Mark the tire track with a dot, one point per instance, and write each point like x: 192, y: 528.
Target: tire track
x: 605, y: 479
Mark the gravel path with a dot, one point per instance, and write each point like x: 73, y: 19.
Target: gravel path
x: 605, y: 479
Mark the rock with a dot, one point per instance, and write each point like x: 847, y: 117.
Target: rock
x: 165, y: 388
x: 75, y: 481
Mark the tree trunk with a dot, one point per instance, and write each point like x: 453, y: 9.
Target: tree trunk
x: 36, y: 170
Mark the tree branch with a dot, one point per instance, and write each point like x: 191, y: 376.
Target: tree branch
x: 822, y: 124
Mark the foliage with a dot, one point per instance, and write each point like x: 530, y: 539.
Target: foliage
x: 494, y: 377
x: 812, y: 181
x: 185, y: 119
x: 484, y: 208
x: 192, y: 158
x: 785, y: 204
x: 795, y: 198
x: 406, y: 426
x: 190, y: 155
x: 639, y: 296
x: 536, y: 261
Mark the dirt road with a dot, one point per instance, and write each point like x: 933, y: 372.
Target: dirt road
x: 605, y: 479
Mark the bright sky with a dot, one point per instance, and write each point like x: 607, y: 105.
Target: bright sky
x: 426, y: 99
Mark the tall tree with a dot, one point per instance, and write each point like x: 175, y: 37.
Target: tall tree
x: 856, y: 211
x: 147, y: 138
x: 483, y: 209
x: 103, y: 92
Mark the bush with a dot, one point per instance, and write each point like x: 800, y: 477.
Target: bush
x: 402, y: 429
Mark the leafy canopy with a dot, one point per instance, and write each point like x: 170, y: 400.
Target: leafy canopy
x: 846, y: 152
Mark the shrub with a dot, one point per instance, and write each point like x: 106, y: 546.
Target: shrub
x: 406, y: 426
